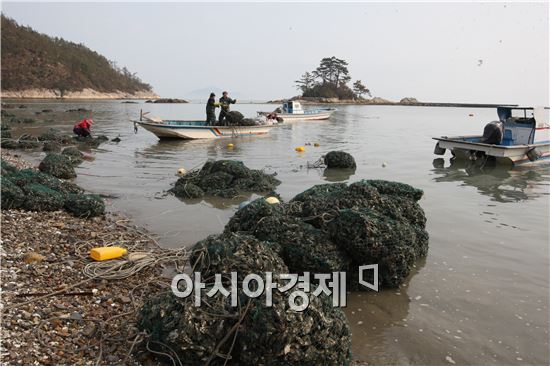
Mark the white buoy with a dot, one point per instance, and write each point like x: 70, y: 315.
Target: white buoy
x: 272, y: 200
x: 182, y: 172
x: 384, y: 164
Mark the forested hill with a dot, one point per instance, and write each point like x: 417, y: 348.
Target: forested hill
x: 31, y: 60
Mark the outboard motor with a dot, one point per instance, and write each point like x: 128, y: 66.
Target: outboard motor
x: 492, y: 133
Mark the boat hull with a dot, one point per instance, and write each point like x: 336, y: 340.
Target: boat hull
x: 514, y: 155
x: 289, y: 117
x: 165, y: 131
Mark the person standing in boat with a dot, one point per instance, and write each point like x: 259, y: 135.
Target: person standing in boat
x: 211, y: 106
x: 225, y: 101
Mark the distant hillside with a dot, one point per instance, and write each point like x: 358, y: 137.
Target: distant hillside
x: 34, y: 61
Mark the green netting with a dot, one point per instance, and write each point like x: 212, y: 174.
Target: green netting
x: 41, y: 198
x: 84, y: 205
x: 320, y: 203
x: 74, y: 155
x: 187, y: 190
x: 192, y: 332
x: 396, y: 188
x: 340, y: 159
x: 219, y: 180
x: 58, y: 165
x: 234, y: 118
x: 301, y: 246
x: 233, y: 167
x: 7, y: 168
x: 12, y: 195
x: 279, y: 336
x: 237, y: 252
x: 403, y: 209
x: 371, y: 238
x: 72, y: 151
x: 274, y: 335
x: 250, y: 216
x: 52, y: 146
x: 28, y: 176
x: 223, y: 178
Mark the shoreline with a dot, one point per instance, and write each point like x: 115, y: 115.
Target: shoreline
x: 51, y: 306
x: 52, y: 309
x: 383, y: 102
x: 84, y: 94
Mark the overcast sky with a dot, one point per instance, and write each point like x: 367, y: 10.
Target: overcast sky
x: 445, y: 52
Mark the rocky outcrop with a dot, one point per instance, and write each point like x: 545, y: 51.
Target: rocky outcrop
x: 409, y: 100
x: 83, y: 94
x: 167, y: 100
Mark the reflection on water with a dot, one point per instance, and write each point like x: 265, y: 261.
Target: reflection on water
x: 480, y: 298
x: 501, y: 183
x: 338, y: 175
x: 371, y: 314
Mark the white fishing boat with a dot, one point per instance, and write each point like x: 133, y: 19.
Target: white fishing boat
x: 525, y: 139
x: 293, y: 111
x: 188, y: 129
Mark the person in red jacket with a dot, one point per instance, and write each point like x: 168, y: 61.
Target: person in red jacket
x: 82, y: 128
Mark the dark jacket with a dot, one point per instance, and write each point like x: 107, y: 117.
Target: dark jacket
x: 211, y: 105
x: 225, y: 102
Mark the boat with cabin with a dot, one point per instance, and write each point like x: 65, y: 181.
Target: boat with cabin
x: 190, y: 129
x: 524, y: 139
x: 293, y: 111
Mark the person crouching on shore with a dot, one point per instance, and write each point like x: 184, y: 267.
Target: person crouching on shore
x: 83, y: 128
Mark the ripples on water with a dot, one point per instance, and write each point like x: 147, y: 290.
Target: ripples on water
x: 481, y: 295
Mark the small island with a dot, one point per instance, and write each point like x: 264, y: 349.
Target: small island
x: 328, y: 84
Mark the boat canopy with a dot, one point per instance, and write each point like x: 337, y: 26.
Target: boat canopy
x: 292, y: 107
x: 506, y: 112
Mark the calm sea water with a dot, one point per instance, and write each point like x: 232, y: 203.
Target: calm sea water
x: 481, y: 295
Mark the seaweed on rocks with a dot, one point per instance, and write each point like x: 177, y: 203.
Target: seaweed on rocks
x: 339, y: 159
x: 37, y: 191
x: 314, y: 232
x: 74, y: 155
x: 28, y: 144
x: 223, y: 178
x: 9, y: 143
x: 41, y: 198
x: 84, y: 205
x: 251, y: 333
x: 303, y: 247
x: 235, y: 252
x: 376, y: 239
x: 7, y: 168
x: 57, y: 165
x: 396, y: 189
x: 187, y: 190
x: 12, y: 196
x: 28, y: 176
x: 90, y: 141
x: 54, y: 135
x: 52, y: 146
